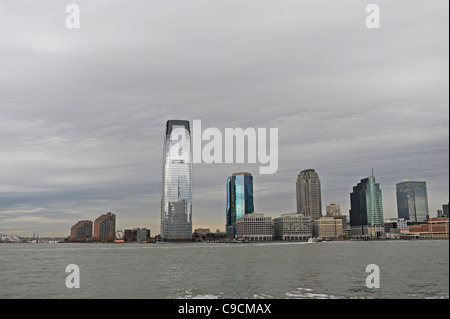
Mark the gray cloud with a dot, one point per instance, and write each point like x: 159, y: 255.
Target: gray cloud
x: 82, y: 112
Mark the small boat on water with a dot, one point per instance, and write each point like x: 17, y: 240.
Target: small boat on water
x: 314, y: 240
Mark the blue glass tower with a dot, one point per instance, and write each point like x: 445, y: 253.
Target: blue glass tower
x: 239, y: 199
x: 412, y: 201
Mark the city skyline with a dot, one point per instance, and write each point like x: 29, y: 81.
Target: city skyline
x: 82, y: 110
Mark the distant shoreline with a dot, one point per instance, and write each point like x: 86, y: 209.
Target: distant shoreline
x: 227, y: 242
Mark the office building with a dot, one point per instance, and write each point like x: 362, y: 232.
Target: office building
x: 366, y: 206
x: 105, y: 227
x: 81, y: 230
x: 367, y: 231
x: 412, y: 201
x: 239, y: 200
x: 292, y: 226
x: 395, y: 227
x: 333, y: 209
x: 254, y: 227
x: 309, y: 200
x: 328, y: 228
x: 142, y: 234
x: 176, y: 200
x: 396, y: 223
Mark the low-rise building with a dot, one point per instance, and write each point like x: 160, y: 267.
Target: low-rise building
x: 142, y: 234
x: 254, y: 227
x: 328, y: 228
x: 292, y: 226
x: 367, y: 231
x: 434, y: 228
x: 395, y: 227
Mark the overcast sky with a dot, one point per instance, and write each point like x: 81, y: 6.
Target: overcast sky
x: 83, y: 111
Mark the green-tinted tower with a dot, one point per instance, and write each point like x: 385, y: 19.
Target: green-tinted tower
x: 366, y: 203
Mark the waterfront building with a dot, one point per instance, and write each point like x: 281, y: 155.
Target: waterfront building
x: 136, y: 234
x: 81, y: 230
x: 239, y: 200
x: 142, y: 234
x: 176, y: 200
x: 130, y: 235
x: 412, y: 201
x: 202, y: 231
x: 254, y: 227
x: 292, y: 226
x: 435, y: 228
x: 309, y: 200
x: 396, y: 223
x: 105, y: 227
x: 328, y: 228
x: 366, y: 206
x: 395, y: 227
x: 367, y: 231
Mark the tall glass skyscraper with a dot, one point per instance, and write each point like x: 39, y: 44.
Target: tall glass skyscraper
x: 309, y: 198
x: 366, y: 203
x: 239, y: 199
x: 176, y: 200
x: 412, y: 201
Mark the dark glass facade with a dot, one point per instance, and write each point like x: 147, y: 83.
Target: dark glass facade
x: 176, y: 200
x: 239, y: 198
x: 412, y: 201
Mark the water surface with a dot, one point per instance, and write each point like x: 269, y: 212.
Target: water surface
x: 408, y: 269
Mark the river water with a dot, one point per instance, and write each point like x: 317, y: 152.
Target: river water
x: 275, y: 270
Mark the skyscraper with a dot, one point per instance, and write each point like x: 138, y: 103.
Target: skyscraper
x: 239, y: 199
x: 366, y: 203
x: 309, y: 200
x: 176, y: 200
x: 412, y: 201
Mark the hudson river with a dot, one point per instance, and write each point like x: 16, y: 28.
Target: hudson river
x: 407, y: 269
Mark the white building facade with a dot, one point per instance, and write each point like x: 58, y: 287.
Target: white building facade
x: 254, y: 227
